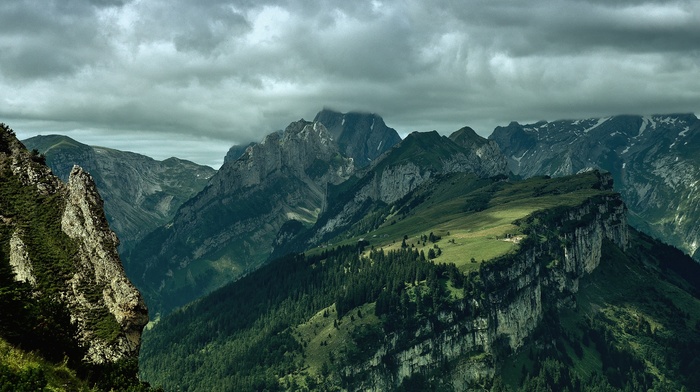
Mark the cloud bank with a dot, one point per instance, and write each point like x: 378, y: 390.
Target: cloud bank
x: 189, y: 79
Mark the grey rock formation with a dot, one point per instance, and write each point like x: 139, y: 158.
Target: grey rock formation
x: 492, y: 159
x: 99, y: 266
x: 235, y: 152
x: 411, y: 163
x: 140, y: 193
x: 19, y: 260
x: 106, y: 308
x: 655, y: 161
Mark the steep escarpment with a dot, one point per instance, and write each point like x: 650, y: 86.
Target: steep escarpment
x: 514, y: 292
x: 139, y: 193
x: 228, y: 229
x: 653, y: 159
x: 64, y: 288
x: 100, y: 266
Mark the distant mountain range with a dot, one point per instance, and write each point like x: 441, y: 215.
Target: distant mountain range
x: 655, y: 161
x: 140, y: 193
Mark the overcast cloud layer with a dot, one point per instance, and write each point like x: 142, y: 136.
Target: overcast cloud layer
x: 190, y: 78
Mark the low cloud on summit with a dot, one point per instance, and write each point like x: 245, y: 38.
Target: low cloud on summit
x: 190, y: 79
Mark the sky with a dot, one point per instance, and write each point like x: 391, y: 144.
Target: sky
x: 191, y: 78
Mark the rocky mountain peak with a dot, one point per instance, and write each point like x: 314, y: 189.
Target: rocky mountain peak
x: 233, y: 222
x: 466, y: 136
x: 361, y: 136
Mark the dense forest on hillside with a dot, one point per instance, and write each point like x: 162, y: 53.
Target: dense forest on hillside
x: 287, y: 293
x: 246, y: 333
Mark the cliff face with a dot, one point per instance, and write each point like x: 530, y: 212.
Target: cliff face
x: 229, y: 228
x: 100, y: 266
x: 517, y: 289
x: 140, y: 193
x: 653, y: 159
x: 61, y: 245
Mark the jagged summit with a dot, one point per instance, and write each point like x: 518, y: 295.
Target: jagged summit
x: 361, y: 136
x: 229, y: 227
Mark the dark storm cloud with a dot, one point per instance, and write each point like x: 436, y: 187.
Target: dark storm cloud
x: 219, y: 72
x: 47, y: 39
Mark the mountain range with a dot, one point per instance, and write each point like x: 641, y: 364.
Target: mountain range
x: 333, y: 255
x: 655, y: 161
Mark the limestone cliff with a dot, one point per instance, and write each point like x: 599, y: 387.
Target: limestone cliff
x: 60, y: 243
x: 517, y: 288
x: 99, y: 266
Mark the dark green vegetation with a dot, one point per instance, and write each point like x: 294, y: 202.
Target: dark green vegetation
x: 35, y: 318
x: 217, y: 267
x: 424, y: 266
x: 636, y: 327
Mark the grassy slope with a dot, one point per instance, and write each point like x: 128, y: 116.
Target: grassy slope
x: 448, y: 208
x: 32, y: 371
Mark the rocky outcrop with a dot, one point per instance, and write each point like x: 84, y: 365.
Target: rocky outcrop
x: 84, y: 221
x: 653, y: 159
x: 491, y: 158
x: 230, y: 227
x: 517, y: 289
x: 140, y: 193
x: 68, y: 254
x: 19, y: 260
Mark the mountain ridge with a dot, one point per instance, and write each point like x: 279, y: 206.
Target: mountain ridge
x: 653, y: 159
x: 280, y: 179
